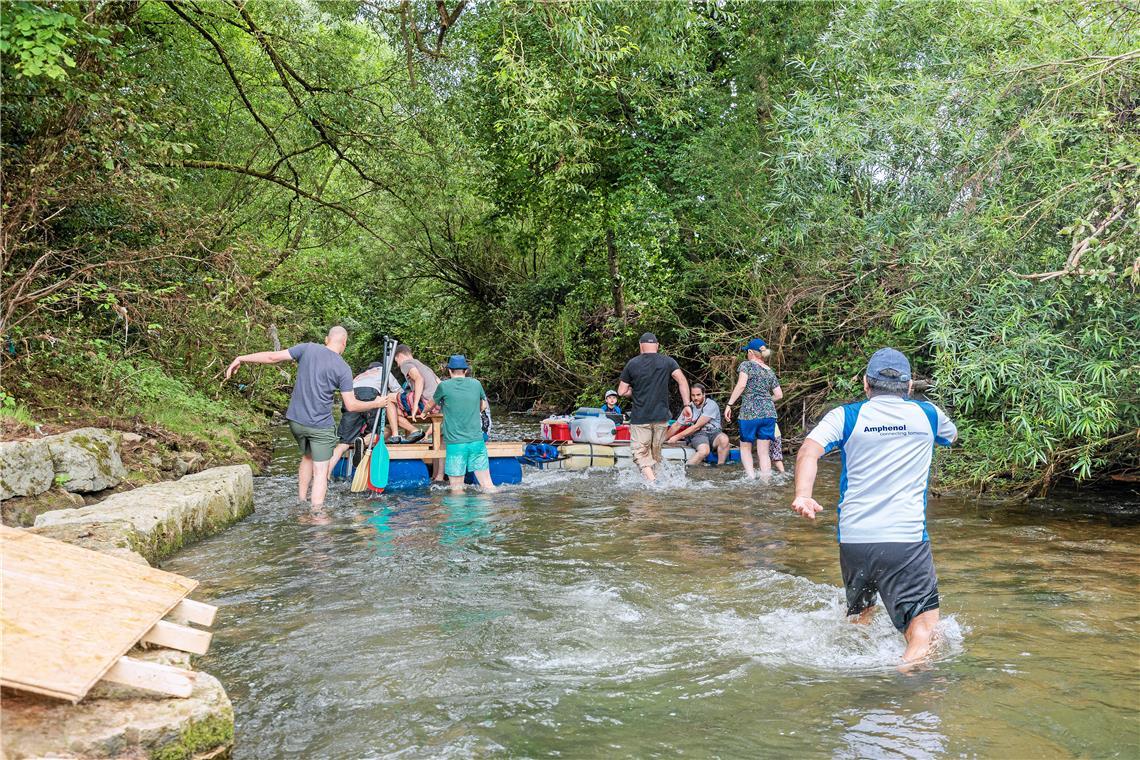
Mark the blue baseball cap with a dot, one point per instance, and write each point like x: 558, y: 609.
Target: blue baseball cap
x: 889, y: 364
x: 457, y: 361
x: 754, y: 345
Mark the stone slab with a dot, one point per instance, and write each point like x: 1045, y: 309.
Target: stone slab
x: 122, y: 723
x: 157, y: 519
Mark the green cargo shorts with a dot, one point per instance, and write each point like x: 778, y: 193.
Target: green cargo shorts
x: 316, y: 442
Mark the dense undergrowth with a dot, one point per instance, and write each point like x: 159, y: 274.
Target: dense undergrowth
x: 537, y: 183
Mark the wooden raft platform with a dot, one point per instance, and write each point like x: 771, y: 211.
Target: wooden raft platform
x: 436, y: 450
x: 69, y: 615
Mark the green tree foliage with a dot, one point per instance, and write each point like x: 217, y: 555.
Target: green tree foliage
x: 537, y: 182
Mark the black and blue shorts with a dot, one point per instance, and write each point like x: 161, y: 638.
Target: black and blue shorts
x: 901, y: 573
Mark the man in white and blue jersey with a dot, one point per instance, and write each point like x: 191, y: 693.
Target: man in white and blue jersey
x: 886, y: 444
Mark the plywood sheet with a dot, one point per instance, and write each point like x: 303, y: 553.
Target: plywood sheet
x: 69, y: 613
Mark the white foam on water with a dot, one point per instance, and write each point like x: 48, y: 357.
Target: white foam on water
x: 614, y: 633
x: 806, y: 626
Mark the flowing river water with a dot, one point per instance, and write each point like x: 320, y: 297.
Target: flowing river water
x: 586, y: 615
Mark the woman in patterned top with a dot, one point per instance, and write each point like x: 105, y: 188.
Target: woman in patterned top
x: 758, y: 388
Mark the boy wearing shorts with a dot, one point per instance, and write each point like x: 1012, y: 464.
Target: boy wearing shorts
x: 463, y: 400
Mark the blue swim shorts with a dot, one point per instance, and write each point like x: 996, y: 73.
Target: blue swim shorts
x: 406, y: 403
x: 763, y: 429
x: 463, y: 458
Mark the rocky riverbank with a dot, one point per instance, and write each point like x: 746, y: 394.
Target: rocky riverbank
x: 68, y: 485
x: 84, y: 466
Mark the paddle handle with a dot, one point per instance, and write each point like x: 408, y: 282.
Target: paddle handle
x: 389, y: 346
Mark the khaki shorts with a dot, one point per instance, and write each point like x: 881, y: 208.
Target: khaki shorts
x: 645, y: 443
x: 316, y: 442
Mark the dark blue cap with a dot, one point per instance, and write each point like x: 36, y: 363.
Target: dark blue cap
x: 754, y: 345
x: 889, y: 364
x: 457, y: 361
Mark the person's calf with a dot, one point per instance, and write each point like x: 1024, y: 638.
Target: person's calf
x: 863, y: 617
x: 304, y: 477
x: 320, y: 482
x: 483, y: 477
x: 700, y: 456
x: 722, y: 451
x: 920, y: 636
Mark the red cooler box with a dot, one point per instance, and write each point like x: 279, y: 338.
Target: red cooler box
x: 621, y: 433
x: 556, y: 429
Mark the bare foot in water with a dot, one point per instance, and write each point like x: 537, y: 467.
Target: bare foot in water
x: 920, y: 639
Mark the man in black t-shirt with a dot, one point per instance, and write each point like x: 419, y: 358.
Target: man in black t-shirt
x: 646, y: 379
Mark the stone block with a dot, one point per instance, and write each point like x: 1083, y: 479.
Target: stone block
x: 86, y: 459
x: 25, y: 468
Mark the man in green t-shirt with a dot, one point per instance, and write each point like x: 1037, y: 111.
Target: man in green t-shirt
x: 463, y: 400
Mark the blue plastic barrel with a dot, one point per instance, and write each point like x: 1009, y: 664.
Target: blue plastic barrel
x: 405, y: 474
x: 733, y: 456
x: 503, y: 470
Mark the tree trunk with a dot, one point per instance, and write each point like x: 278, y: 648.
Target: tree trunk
x: 615, y: 276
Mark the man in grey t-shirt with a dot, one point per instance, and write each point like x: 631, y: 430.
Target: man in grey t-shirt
x: 420, y: 389
x: 320, y: 372
x: 699, y: 427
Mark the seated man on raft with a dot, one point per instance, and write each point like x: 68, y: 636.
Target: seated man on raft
x: 417, y: 396
x: 357, y: 425
x: 699, y: 427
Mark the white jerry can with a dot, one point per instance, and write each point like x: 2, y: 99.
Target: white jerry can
x: 592, y: 430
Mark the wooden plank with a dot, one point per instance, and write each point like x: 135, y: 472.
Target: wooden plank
x: 425, y: 451
x: 152, y: 676
x: 505, y: 448
x: 68, y: 614
x: 174, y: 636
x: 198, y: 613
x: 436, y: 432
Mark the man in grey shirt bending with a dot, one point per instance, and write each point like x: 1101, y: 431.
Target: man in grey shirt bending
x: 320, y: 372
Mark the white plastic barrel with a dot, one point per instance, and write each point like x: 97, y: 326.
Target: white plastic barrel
x: 592, y: 430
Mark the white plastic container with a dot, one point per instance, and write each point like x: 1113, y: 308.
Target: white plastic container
x: 592, y: 430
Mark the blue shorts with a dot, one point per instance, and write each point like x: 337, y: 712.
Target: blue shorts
x: 406, y: 403
x: 763, y: 429
x: 463, y: 458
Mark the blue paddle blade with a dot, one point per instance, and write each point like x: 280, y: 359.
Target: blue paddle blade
x: 378, y: 467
